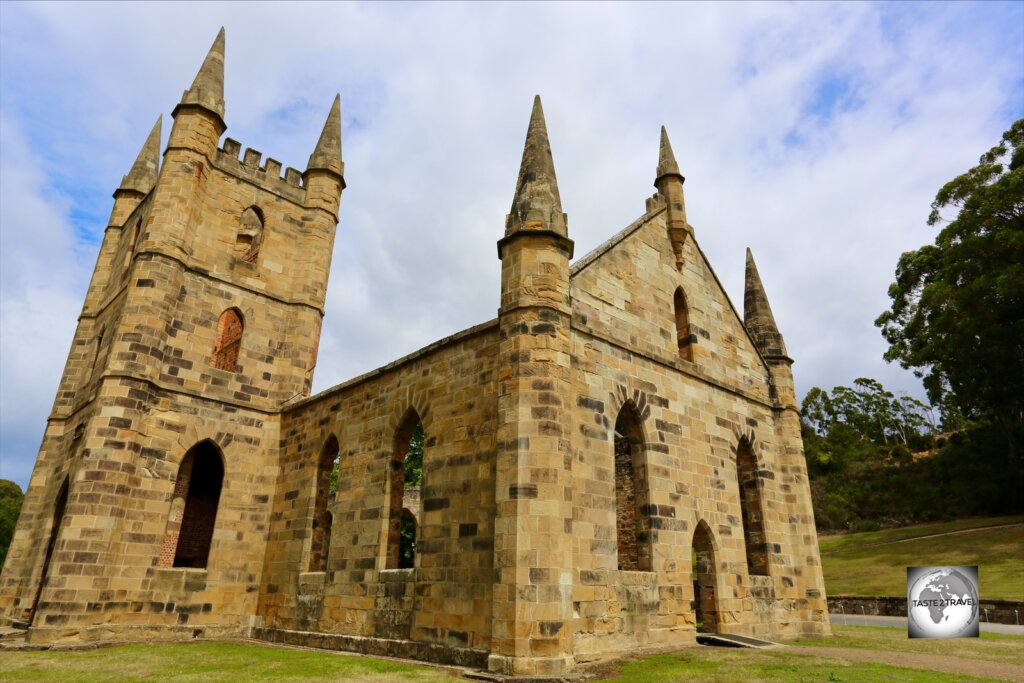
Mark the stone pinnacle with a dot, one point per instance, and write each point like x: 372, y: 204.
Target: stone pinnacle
x: 757, y: 314
x: 327, y: 154
x: 536, y: 205
x: 667, y: 165
x: 142, y: 177
x: 207, y: 89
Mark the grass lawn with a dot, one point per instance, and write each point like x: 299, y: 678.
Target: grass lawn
x: 719, y: 665
x: 875, y: 562
x: 990, y: 647
x: 211, y: 661
x: 178, y: 663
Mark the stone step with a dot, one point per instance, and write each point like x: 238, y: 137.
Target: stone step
x: 11, y: 633
x: 731, y: 640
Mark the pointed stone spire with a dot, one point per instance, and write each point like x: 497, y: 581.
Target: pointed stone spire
x: 207, y: 89
x: 669, y: 182
x: 536, y: 205
x: 144, y: 171
x: 667, y: 165
x: 757, y: 315
x: 327, y: 154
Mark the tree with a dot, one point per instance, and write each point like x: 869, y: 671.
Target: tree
x: 957, y: 316
x: 11, y: 498
x: 414, y: 458
x: 868, y: 411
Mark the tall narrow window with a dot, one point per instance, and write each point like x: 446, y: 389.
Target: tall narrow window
x: 229, y: 340
x: 752, y: 512
x: 406, y: 472
x: 326, y: 478
x: 705, y: 601
x: 634, y: 552
x: 683, y: 336
x: 250, y: 234
x: 194, y: 508
x: 96, y: 351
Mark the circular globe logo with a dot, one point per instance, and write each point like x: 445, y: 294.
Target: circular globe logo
x: 942, y: 602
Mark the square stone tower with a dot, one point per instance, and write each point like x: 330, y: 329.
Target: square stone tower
x: 201, y: 320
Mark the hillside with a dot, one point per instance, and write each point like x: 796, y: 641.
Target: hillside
x: 875, y: 562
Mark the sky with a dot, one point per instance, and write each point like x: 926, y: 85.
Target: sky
x: 816, y: 134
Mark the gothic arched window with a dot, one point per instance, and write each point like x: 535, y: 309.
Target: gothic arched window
x: 229, y: 340
x: 250, y: 234
x: 685, y: 339
x: 752, y: 511
x: 322, y: 518
x: 406, y: 471
x: 633, y: 542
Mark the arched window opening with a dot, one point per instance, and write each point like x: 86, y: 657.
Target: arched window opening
x: 406, y: 481
x: 55, y: 524
x: 634, y: 547
x: 705, y: 602
x: 683, y: 336
x: 752, y: 512
x: 250, y: 234
x: 326, y: 485
x: 194, y: 508
x: 229, y: 340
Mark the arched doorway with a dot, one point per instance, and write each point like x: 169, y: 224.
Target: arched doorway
x: 58, y: 516
x: 193, y: 512
x: 705, y: 600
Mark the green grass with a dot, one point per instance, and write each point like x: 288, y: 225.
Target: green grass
x: 720, y: 665
x: 211, y: 661
x: 990, y: 647
x: 714, y: 665
x: 875, y: 562
x: 188, y: 662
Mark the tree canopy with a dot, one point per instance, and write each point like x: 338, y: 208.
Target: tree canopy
x: 957, y: 315
x: 11, y: 498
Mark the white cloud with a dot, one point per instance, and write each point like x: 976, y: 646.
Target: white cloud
x: 435, y: 102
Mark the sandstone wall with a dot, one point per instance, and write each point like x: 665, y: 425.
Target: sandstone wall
x: 693, y: 418
x: 445, y: 599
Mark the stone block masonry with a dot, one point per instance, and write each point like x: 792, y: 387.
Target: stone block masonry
x: 618, y: 419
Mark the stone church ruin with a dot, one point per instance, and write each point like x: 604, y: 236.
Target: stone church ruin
x: 610, y: 464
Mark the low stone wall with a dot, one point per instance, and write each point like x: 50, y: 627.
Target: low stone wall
x: 380, y: 647
x: 992, y: 611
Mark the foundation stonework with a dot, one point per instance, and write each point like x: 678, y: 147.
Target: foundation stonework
x: 616, y: 409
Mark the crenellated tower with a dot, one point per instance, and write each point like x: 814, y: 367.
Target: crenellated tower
x: 201, y: 321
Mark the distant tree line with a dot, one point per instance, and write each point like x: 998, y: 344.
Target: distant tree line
x: 877, y: 460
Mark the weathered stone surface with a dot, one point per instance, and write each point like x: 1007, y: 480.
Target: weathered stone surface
x: 616, y: 418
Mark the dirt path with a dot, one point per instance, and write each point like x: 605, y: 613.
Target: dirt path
x: 914, y: 660
x: 972, y: 530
